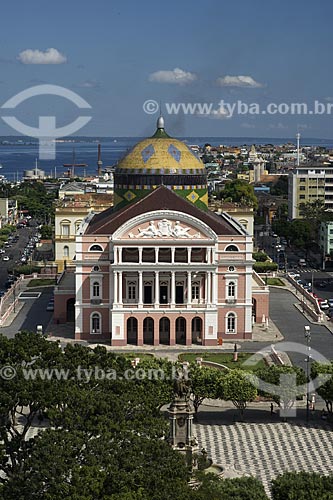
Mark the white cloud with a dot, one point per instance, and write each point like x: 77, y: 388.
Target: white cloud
x: 238, y: 81
x: 50, y: 56
x: 177, y: 76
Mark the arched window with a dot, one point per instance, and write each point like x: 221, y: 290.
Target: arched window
x: 96, y: 268
x: 66, y: 251
x: 77, y: 225
x: 231, y: 323
x: 95, y: 248
x: 231, y: 289
x: 65, y: 226
x: 95, y: 323
x: 231, y: 248
x: 96, y: 289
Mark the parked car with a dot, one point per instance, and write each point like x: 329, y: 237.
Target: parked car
x: 324, y: 305
x: 50, y: 306
x: 294, y: 275
x: 5, y: 257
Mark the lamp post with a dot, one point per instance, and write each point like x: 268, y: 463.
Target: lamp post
x: 307, y: 335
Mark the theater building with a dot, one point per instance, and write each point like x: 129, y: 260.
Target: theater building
x: 160, y: 268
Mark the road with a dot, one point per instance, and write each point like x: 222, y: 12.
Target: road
x: 291, y: 324
x: 32, y: 314
x: 14, y: 252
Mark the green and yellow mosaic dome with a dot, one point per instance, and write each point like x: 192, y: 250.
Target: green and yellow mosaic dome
x: 160, y: 160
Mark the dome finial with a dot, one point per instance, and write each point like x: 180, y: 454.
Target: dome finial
x: 160, y: 122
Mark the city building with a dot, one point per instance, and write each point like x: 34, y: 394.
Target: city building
x: 308, y: 184
x: 8, y: 211
x: 242, y: 213
x: 159, y: 267
x: 70, y: 211
x: 326, y: 242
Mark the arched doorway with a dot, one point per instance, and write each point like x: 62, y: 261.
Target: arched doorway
x: 196, y: 330
x: 132, y: 331
x: 70, y: 310
x: 254, y: 310
x: 164, y: 331
x: 181, y: 331
x: 148, y: 331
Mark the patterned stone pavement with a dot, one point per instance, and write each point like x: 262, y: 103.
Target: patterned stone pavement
x: 265, y: 450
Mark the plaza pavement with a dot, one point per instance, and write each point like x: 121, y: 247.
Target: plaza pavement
x: 263, y: 445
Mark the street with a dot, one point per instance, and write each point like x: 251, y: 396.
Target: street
x: 14, y: 253
x: 32, y: 314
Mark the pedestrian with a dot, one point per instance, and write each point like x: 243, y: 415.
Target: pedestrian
x: 272, y: 408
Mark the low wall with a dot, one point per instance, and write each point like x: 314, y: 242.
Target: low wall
x: 314, y: 312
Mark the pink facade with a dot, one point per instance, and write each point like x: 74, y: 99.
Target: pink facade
x: 164, y: 272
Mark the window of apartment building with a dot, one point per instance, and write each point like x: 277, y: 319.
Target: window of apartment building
x: 195, y: 291
x: 302, y: 179
x: 302, y: 196
x: 331, y: 242
x: 66, y: 251
x: 302, y: 188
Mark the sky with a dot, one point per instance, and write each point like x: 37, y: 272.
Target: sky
x: 120, y: 54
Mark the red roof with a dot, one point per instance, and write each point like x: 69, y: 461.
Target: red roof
x: 162, y: 198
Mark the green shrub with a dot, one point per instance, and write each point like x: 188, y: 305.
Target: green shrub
x: 26, y: 270
x: 264, y: 267
x: 260, y: 256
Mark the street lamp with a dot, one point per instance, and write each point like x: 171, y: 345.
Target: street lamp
x: 307, y: 335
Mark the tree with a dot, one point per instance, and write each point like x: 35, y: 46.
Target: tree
x: 287, y: 392
x: 324, y: 373
x: 62, y: 464
x: 238, y: 387
x: 245, y: 488
x: 302, y: 486
x: 205, y: 383
x: 239, y: 191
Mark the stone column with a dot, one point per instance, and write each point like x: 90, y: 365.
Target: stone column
x: 157, y: 289
x: 120, y: 297
x: 140, y: 255
x: 156, y: 254
x: 140, y: 289
x: 214, y: 287
x: 208, y: 289
x: 172, y: 331
x: 188, y: 331
x: 173, y: 255
x: 189, y: 287
x: 173, y: 289
x: 140, y: 331
x: 115, y: 287
x: 189, y: 251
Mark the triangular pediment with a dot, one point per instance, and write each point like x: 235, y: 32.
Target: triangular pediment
x: 161, y: 199
x: 164, y: 225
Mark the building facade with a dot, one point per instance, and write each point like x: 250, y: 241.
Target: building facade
x: 70, y: 211
x: 160, y: 268
x: 308, y: 184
